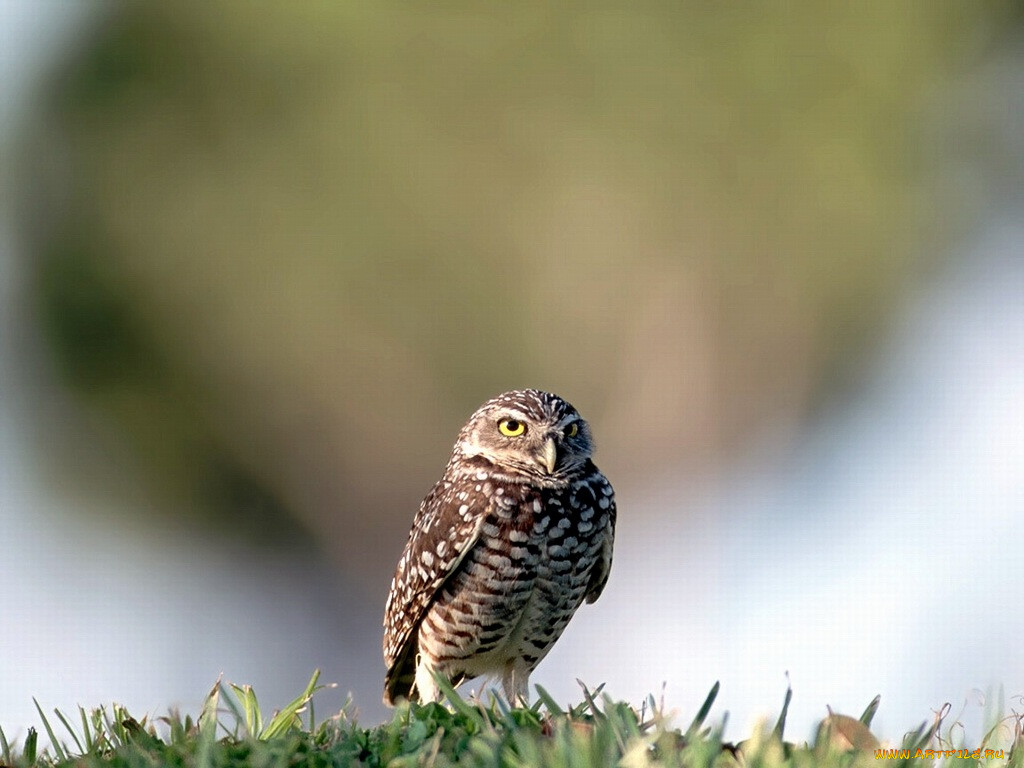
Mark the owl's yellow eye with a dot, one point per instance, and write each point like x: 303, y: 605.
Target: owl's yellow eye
x: 572, y: 430
x: 511, y: 427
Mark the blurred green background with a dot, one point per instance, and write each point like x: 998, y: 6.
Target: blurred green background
x: 286, y: 249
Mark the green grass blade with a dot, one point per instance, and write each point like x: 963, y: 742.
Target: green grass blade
x: 204, y: 752
x: 1016, y: 756
x: 67, y: 725
x: 921, y: 737
x: 460, y: 705
x: 232, y: 703
x: 58, y: 749
x: 780, y: 724
x: 28, y: 752
x: 110, y: 732
x: 86, y: 732
x: 988, y: 735
x: 250, y: 713
x: 869, y: 713
x: 549, y: 703
x: 125, y: 723
x: 705, y: 709
x: 177, y: 729
x: 5, y: 748
x: 595, y: 711
x: 499, y: 708
x: 207, y: 727
x: 925, y: 736
x: 288, y: 718
x: 208, y: 716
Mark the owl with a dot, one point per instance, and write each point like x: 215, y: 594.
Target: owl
x: 503, y: 550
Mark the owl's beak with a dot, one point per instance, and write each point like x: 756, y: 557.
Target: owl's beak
x: 547, y: 456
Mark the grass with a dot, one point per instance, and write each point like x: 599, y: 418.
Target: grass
x: 231, y: 732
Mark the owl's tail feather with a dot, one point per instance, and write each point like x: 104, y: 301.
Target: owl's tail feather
x: 400, y: 680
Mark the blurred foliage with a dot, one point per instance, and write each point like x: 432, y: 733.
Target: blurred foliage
x: 298, y: 244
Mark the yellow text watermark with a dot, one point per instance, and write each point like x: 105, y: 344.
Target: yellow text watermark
x: 905, y: 754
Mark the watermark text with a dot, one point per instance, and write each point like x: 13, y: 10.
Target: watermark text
x: 934, y: 754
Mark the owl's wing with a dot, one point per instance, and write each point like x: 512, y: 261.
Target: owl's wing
x: 445, y: 529
x: 603, y: 566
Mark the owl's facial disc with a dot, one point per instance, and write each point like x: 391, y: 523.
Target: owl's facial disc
x: 546, y: 446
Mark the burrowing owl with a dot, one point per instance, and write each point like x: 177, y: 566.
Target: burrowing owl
x: 508, y: 543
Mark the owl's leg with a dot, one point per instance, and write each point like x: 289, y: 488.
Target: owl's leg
x: 426, y: 686
x: 516, y: 682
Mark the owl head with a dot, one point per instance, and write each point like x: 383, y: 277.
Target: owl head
x: 529, y: 432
